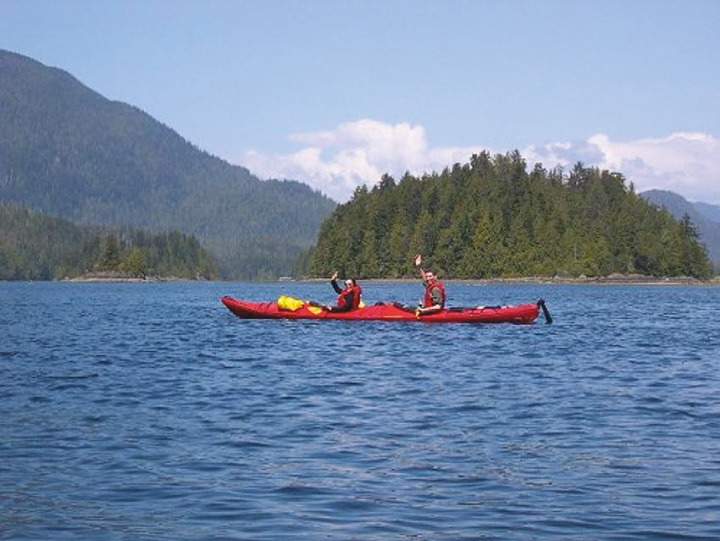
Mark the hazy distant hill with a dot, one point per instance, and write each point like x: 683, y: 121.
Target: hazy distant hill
x: 711, y: 212
x: 678, y: 206
x: 67, y: 151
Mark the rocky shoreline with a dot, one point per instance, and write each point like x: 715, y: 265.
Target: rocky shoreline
x: 121, y: 277
x: 613, y: 279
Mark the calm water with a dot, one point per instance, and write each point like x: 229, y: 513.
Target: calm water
x: 136, y: 411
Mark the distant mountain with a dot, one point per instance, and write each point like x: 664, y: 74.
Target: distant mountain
x: 678, y: 206
x: 67, y: 151
x: 711, y: 212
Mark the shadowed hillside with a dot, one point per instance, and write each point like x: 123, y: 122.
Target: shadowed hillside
x: 67, y: 151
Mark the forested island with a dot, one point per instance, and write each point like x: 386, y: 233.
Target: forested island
x: 492, y: 218
x: 38, y: 247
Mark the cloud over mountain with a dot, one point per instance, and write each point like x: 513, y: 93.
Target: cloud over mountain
x: 355, y: 153
x: 685, y: 163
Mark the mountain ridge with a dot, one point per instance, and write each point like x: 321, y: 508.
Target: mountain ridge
x: 711, y: 212
x: 707, y: 229
x: 67, y: 151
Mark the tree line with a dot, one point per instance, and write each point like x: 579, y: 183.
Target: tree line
x: 492, y: 217
x: 34, y: 246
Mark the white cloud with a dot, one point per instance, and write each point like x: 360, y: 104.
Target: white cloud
x: 685, y: 163
x: 356, y: 153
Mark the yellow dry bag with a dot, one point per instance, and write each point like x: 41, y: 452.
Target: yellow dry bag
x: 289, y: 303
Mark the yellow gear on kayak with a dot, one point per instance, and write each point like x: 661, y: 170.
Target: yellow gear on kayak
x: 289, y: 303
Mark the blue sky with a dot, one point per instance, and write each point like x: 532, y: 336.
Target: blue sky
x: 336, y: 93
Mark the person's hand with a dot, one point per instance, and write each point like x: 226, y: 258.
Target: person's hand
x: 418, y: 311
x: 418, y: 260
x: 334, y: 276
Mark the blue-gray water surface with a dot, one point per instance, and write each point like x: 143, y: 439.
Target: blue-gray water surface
x: 148, y: 411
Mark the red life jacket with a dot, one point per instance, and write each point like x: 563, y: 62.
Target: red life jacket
x: 347, y: 291
x: 428, y: 294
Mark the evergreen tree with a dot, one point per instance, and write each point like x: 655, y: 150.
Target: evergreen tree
x: 134, y: 262
x: 110, y: 253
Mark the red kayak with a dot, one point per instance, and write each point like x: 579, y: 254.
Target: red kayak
x: 525, y: 313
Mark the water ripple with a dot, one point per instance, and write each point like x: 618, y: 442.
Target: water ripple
x: 150, y: 412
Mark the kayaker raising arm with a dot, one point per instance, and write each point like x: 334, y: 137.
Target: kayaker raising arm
x: 434, y: 300
x: 348, y: 297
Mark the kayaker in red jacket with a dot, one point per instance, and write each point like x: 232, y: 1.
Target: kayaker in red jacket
x: 348, y: 297
x: 434, y: 300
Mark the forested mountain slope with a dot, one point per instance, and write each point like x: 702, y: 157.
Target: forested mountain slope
x: 67, y: 151
x: 491, y: 218
x: 678, y: 206
x: 710, y: 211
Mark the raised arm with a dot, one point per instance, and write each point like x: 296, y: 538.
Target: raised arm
x: 418, y: 263
x: 334, y: 284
